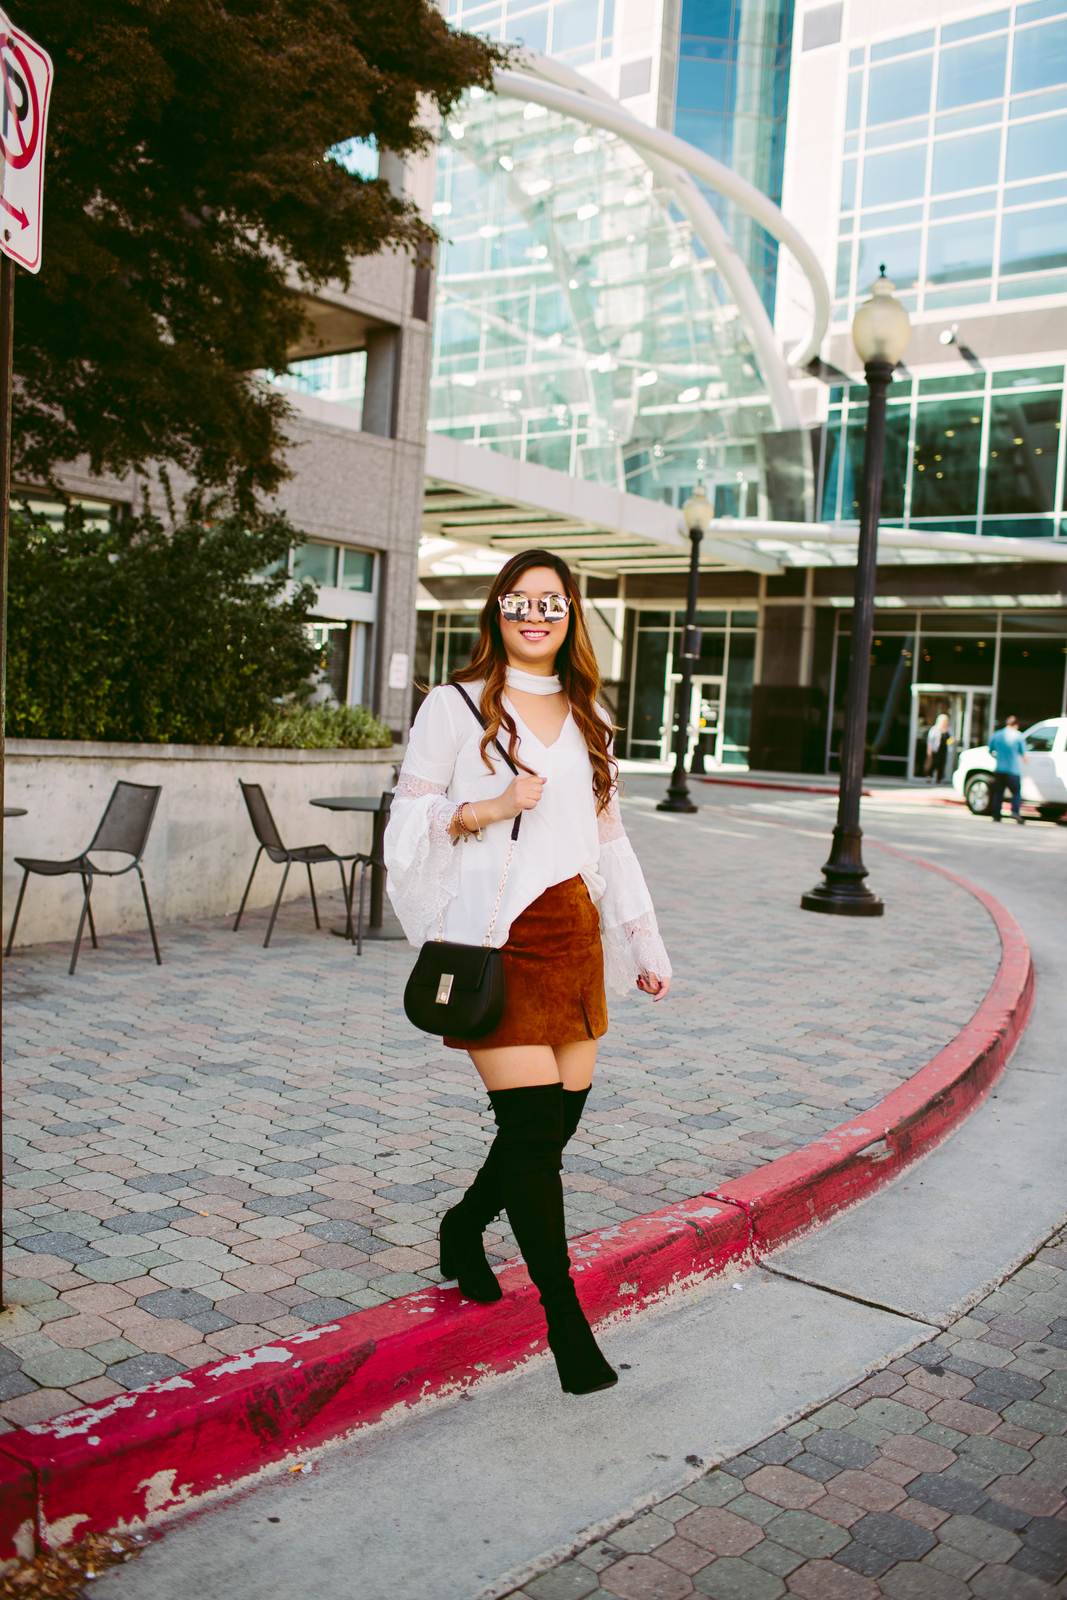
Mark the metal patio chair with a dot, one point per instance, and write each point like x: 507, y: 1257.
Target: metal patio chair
x: 376, y: 859
x: 270, y: 840
x: 124, y: 828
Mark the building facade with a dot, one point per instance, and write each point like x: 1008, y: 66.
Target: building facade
x: 930, y: 139
x: 933, y: 139
x: 356, y: 458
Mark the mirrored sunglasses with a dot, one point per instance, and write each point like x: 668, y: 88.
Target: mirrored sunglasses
x: 516, y: 607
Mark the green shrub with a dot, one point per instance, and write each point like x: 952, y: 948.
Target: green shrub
x: 160, y: 635
x: 319, y: 727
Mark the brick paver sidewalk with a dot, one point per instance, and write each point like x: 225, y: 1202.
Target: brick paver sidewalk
x: 208, y: 1155
x: 941, y: 1477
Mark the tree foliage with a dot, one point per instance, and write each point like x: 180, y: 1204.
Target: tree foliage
x: 181, y: 635
x: 186, y: 177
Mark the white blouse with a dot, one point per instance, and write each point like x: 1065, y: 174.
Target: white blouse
x: 440, y: 888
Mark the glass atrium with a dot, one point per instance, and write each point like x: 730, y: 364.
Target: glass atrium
x: 575, y: 325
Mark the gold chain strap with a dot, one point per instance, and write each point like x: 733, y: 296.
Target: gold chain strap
x: 499, y: 895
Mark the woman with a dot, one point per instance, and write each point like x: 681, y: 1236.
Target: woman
x: 454, y: 872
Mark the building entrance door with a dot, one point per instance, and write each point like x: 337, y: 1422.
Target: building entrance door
x: 969, y: 713
x: 705, y: 723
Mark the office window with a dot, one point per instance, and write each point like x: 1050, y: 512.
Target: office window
x: 1023, y: 443
x: 357, y: 570
x: 965, y: 64
x: 574, y: 23
x: 900, y: 89
x: 957, y: 251
x: 896, y: 175
x: 972, y: 72
x: 968, y: 162
x: 946, y: 459
x: 1036, y: 148
x: 899, y: 252
x: 1034, y: 241
x: 974, y: 26
x: 1040, y: 59
x: 317, y: 563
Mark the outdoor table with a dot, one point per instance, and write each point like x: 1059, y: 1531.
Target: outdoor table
x: 372, y: 803
x: 14, y: 811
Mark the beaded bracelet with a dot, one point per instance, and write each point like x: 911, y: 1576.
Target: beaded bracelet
x: 468, y: 833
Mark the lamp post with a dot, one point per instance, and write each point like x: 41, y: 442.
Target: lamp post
x: 880, y: 333
x: 698, y: 513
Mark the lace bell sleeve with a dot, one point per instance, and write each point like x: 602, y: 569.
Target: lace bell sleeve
x: 630, y: 934
x: 420, y: 858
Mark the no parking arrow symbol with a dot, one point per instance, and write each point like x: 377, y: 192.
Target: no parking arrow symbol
x: 25, y: 87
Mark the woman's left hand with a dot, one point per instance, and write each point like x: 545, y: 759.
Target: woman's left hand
x: 656, y: 987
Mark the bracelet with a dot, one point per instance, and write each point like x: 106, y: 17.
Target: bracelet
x: 468, y: 833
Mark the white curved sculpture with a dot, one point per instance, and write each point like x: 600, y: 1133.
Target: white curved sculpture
x: 712, y: 235
x: 542, y: 83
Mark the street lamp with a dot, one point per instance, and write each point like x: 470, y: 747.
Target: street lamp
x: 698, y: 513
x: 880, y: 333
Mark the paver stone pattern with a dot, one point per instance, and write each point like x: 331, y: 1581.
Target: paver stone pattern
x: 942, y: 1476
x: 205, y: 1156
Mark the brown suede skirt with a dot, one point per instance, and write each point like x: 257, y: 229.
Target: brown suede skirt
x: 553, y: 972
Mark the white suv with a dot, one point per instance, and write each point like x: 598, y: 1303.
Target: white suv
x: 1044, y: 773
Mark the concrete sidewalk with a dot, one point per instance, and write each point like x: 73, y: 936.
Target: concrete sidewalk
x: 518, y: 1487
x: 243, y: 1143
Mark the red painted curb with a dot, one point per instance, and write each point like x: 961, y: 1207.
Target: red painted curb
x: 133, y: 1459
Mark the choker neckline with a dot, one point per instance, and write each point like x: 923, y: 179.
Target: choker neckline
x: 532, y: 682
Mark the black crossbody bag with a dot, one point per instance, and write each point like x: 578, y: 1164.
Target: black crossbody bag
x: 458, y: 989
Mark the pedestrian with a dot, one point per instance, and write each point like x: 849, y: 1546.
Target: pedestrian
x: 938, y: 743
x: 1009, y: 747
x: 572, y: 907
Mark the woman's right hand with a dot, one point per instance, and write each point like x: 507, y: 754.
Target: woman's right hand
x: 521, y: 794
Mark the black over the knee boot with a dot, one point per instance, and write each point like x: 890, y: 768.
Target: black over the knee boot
x: 462, y: 1254
x: 531, y: 1146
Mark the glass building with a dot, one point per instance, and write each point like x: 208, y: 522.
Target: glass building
x: 576, y: 326
x: 582, y: 324
x: 946, y: 152
x: 955, y: 162
x: 730, y: 100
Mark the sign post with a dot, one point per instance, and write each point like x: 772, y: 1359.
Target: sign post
x: 25, y: 89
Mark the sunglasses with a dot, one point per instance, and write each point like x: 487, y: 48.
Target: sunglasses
x: 516, y: 607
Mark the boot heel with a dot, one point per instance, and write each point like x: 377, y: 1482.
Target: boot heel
x: 463, y: 1258
x: 580, y: 1362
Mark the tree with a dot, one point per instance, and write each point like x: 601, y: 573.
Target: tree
x: 186, y: 174
x: 181, y: 635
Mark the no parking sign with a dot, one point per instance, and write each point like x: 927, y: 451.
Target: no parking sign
x: 25, y: 87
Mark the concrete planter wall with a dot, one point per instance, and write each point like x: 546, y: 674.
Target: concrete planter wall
x: 201, y: 847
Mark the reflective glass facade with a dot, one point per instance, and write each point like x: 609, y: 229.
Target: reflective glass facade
x: 976, y: 667
x: 955, y: 169
x: 723, y: 670
x: 575, y: 326
x: 576, y: 31
x: 979, y: 453
x: 731, y: 98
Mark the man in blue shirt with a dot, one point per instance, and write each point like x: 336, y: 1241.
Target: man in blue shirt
x: 1009, y: 747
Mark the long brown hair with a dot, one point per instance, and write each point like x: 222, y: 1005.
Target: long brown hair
x: 575, y: 665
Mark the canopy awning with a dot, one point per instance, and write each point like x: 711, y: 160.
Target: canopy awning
x: 477, y: 497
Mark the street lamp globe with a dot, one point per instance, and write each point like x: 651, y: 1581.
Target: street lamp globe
x: 698, y: 510
x: 880, y: 328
